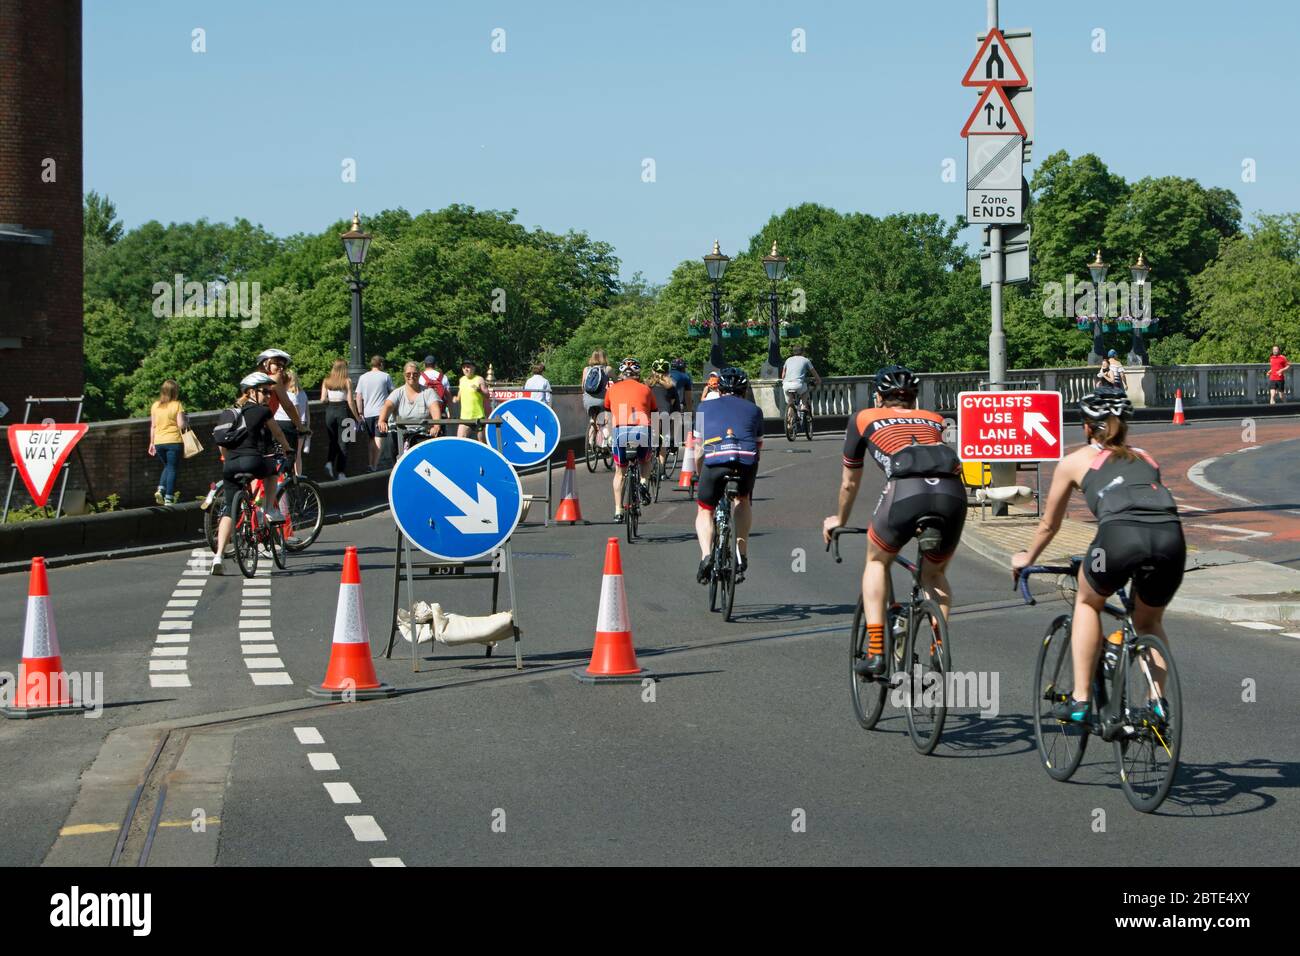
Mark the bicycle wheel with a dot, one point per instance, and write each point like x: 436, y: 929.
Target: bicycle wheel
x: 1061, y: 744
x: 724, y: 570
x: 631, y: 502
x: 808, y: 425
x: 1147, y: 757
x: 210, y: 521
x: 590, y: 451
x: 729, y: 596
x: 244, y: 535
x: 868, y: 694
x: 656, y: 477
x: 300, y: 502
x: 789, y: 422
x: 275, y: 538
x: 927, y: 658
x: 607, y: 453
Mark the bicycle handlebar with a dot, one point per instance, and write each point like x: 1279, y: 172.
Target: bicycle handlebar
x: 1021, y: 578
x: 834, y: 542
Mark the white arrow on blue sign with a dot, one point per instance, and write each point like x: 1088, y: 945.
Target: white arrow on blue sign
x: 530, y: 433
x: 454, y: 498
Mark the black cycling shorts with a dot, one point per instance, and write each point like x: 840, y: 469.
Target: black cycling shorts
x: 905, y: 500
x: 713, y: 479
x: 1151, y: 554
x: 247, y: 464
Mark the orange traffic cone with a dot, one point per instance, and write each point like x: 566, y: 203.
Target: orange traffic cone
x: 351, y: 673
x: 42, y: 687
x: 569, y: 512
x: 1179, y: 417
x: 686, y: 477
x: 613, y: 658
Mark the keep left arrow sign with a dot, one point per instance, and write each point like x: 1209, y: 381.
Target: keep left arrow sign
x: 478, y: 516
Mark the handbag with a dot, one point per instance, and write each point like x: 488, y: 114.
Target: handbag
x: 191, y: 442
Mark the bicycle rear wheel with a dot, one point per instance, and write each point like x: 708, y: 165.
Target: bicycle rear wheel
x: 790, y: 414
x: 300, y: 502
x: 729, y: 599
x: 926, y: 657
x: 1147, y: 758
x: 631, y: 502
x: 244, y: 535
x: 590, y: 450
x: 1061, y: 744
x: 724, y: 571
x: 868, y: 694
x: 211, y: 518
x: 275, y: 539
x: 656, y: 477
x: 808, y: 425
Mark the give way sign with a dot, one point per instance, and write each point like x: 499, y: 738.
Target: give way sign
x: 39, y: 451
x: 1009, y: 426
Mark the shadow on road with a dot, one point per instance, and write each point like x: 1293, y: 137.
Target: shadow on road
x: 1209, y: 789
x: 970, y: 735
x: 787, y: 613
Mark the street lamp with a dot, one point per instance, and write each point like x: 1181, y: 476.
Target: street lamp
x: 774, y: 265
x: 355, y: 245
x: 1098, y: 270
x: 1139, y: 271
x: 716, y: 264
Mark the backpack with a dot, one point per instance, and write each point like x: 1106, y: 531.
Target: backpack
x: 923, y: 461
x: 436, y: 384
x: 231, y: 429
x: 595, y: 381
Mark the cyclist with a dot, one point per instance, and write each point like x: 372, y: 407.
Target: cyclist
x: 683, y: 383
x: 667, y: 419
x: 730, y: 433
x: 917, y: 482
x: 630, y: 404
x: 1139, y: 536
x: 595, y: 382
x: 274, y: 363
x: 794, y: 379
x: 250, y: 456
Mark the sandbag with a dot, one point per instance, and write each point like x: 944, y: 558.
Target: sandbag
x: 452, y: 629
x: 423, y: 622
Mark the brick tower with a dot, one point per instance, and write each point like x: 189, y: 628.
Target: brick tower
x: 40, y: 202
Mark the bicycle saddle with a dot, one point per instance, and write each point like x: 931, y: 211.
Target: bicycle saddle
x: 929, y: 532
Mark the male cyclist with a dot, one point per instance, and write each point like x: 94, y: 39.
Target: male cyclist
x: 683, y: 382
x: 920, y: 479
x: 794, y: 380
x: 630, y: 404
x: 1139, y: 536
x: 730, y: 431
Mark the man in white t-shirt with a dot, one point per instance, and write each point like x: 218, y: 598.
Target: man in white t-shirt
x: 794, y: 377
x: 371, y: 390
x: 538, y: 386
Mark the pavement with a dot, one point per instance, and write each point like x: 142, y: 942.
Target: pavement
x: 744, y: 751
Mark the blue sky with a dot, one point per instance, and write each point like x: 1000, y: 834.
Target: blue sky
x: 738, y: 125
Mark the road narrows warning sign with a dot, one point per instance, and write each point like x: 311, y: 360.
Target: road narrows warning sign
x: 39, y: 451
x: 995, y: 64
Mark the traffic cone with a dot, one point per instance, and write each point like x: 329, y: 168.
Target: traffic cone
x: 42, y: 688
x: 1179, y: 417
x: 613, y: 658
x: 351, y: 673
x: 570, y: 511
x: 686, y: 476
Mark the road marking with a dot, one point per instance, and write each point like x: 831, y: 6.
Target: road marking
x: 86, y: 829
x: 365, y: 829
x: 264, y: 680
x: 386, y: 861
x: 195, y: 572
x: 170, y: 651
x: 175, y: 625
x: 167, y: 665
x: 173, y: 639
x: 1196, y: 474
x: 1291, y: 633
x: 260, y: 649
x: 308, y: 735
x: 169, y: 680
x: 1243, y: 534
x: 176, y: 615
x: 260, y: 622
x: 264, y: 663
x: 322, y: 761
x: 256, y: 602
x: 1258, y: 625
x: 342, y: 793
x: 187, y: 593
x: 191, y: 602
x: 256, y: 636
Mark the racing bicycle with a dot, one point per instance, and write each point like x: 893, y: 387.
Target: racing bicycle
x: 632, y: 489
x: 726, y: 572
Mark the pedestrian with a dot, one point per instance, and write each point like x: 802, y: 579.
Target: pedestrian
x: 711, y: 388
x: 471, y: 395
x: 166, y: 422
x: 340, y: 407
x: 298, y: 399
x: 1112, y: 372
x: 538, y: 386
x: 435, y: 379
x: 371, y: 390
x: 1277, y: 366
x: 595, y: 380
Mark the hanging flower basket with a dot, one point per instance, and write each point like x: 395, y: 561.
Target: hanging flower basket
x: 1083, y: 325
x: 730, y: 332
x: 1124, y: 325
x: 697, y: 330
x: 789, y: 330
x: 756, y: 331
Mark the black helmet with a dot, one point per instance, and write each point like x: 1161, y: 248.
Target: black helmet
x: 896, y: 381
x: 678, y: 364
x: 732, y: 381
x: 1106, y: 401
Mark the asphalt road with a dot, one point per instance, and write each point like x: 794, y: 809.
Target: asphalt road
x: 749, y: 731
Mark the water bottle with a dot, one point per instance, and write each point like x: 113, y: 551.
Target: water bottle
x: 1114, y: 641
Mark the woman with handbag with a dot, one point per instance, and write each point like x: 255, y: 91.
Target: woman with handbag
x: 166, y: 422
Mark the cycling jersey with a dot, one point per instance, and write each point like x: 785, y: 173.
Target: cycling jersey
x: 1127, y: 489
x: 682, y: 382
x: 630, y: 401
x: 885, y: 431
x: 731, y: 430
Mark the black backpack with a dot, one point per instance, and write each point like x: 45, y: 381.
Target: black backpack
x: 231, y: 430
x: 923, y: 461
x: 595, y: 381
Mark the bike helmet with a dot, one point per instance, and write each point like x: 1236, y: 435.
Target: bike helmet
x: 275, y: 354
x: 678, y: 365
x: 629, y: 366
x: 256, y: 380
x: 896, y: 381
x: 660, y: 366
x: 732, y: 381
x: 1099, y: 405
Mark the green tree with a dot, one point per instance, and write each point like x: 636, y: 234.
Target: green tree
x: 113, y: 351
x: 99, y: 221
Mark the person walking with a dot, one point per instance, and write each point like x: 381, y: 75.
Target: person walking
x: 432, y: 377
x: 471, y: 395
x: 538, y: 385
x: 1112, y: 372
x: 298, y: 398
x: 340, y: 407
x: 372, y: 389
x: 1277, y: 366
x: 166, y: 422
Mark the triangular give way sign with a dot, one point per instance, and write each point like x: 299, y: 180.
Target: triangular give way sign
x: 39, y: 451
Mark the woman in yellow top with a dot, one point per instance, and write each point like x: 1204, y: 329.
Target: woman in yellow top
x: 472, y: 394
x: 166, y: 422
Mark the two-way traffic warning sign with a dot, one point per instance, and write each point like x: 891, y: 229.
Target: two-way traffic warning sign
x: 993, y: 116
x: 1009, y: 426
x: 39, y: 451
x: 995, y: 136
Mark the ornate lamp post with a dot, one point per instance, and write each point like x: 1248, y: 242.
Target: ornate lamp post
x: 774, y: 266
x: 356, y: 244
x: 716, y: 264
x: 1098, y: 270
x: 1139, y: 270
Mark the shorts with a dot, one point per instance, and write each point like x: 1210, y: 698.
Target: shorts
x: 246, y: 464
x: 799, y: 391
x: 1152, y: 555
x: 1277, y: 384
x: 629, y: 433
x: 905, y: 500
x: 713, y: 480
x: 371, y: 425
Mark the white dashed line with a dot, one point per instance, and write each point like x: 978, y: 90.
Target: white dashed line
x: 168, y: 658
x: 173, y: 638
x: 259, y: 649
x: 308, y: 735
x: 1291, y: 633
x: 167, y: 665
x: 175, y: 625
x: 265, y: 680
x: 365, y: 829
x: 264, y: 663
x: 180, y: 651
x: 386, y: 861
x: 169, y: 680
x: 191, y: 602
x: 170, y: 614
x: 246, y: 636
x: 342, y: 793
x: 1258, y: 625
x: 322, y: 761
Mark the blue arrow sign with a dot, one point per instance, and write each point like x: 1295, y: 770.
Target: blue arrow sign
x: 530, y: 433
x: 455, y: 498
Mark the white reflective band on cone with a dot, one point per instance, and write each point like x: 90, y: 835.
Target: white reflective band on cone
x: 613, y: 605
x: 39, y: 637
x: 350, y: 618
x: 566, y: 489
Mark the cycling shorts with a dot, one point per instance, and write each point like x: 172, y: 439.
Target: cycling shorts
x: 713, y: 480
x: 905, y: 500
x: 624, y: 434
x: 243, y: 464
x: 1152, y: 555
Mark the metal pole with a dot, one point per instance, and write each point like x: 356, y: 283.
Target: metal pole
x: 410, y: 603
x: 356, y: 365
x: 774, y: 338
x: 997, y: 338
x: 715, y: 337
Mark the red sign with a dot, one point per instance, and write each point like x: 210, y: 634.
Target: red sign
x: 40, y: 451
x: 993, y: 116
x: 1009, y: 426
x: 505, y: 394
x: 995, y: 64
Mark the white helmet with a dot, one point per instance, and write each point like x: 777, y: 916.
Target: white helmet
x: 275, y: 354
x: 256, y: 380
